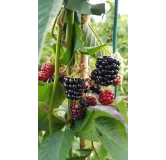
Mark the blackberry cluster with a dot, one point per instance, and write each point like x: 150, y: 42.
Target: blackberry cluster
x: 106, y: 71
x: 77, y: 111
x: 74, y: 87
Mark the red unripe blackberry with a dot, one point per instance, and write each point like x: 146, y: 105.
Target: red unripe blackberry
x: 48, y: 69
x: 77, y: 111
x: 106, y: 97
x: 117, y: 81
x: 42, y: 76
x: 92, y: 100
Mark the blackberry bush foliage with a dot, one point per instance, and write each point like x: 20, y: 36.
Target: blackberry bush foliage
x: 77, y: 98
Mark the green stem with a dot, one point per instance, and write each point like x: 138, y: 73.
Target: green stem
x: 70, y: 153
x: 69, y: 35
x: 95, y: 150
x: 115, y: 35
x: 56, y: 73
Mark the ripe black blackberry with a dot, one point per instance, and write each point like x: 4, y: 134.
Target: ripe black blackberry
x: 77, y: 111
x: 51, y: 79
x: 61, y: 79
x: 106, y: 71
x: 95, y: 89
x: 84, y: 102
x: 74, y: 87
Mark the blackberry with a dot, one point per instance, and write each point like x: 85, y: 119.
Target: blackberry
x: 95, y: 89
x: 77, y: 111
x: 48, y: 69
x: 106, y: 97
x: 42, y: 76
x: 106, y: 71
x: 51, y: 79
x: 92, y: 100
x: 117, y: 81
x: 74, y: 87
x: 61, y: 79
x: 84, y: 102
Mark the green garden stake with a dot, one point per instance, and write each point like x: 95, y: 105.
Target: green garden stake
x: 115, y: 35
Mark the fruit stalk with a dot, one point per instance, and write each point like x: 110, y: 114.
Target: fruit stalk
x: 69, y: 34
x: 115, y: 35
x: 56, y: 73
x: 84, y: 75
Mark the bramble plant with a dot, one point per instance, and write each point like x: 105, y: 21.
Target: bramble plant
x: 79, y: 115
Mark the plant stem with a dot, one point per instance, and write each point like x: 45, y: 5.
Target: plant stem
x: 84, y: 75
x: 115, y: 35
x: 70, y: 153
x: 69, y: 35
x: 95, y: 150
x: 56, y: 73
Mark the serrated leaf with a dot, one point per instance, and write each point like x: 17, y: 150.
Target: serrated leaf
x: 44, y: 11
x: 113, y: 136
x: 88, y: 131
x: 56, y: 146
x: 102, y: 153
x: 43, y: 121
x: 92, y: 50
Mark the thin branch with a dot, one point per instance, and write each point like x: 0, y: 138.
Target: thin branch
x: 95, y: 150
x: 46, y: 109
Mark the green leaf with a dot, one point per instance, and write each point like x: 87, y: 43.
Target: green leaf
x: 84, y: 7
x: 102, y: 153
x: 113, y: 136
x: 56, y: 146
x: 85, y: 152
x: 92, y: 50
x: 122, y: 106
x: 66, y: 57
x: 59, y: 95
x: 43, y: 121
x: 44, y: 94
x: 98, y: 9
x: 79, y: 45
x: 45, y: 9
x: 40, y: 138
x: 78, y: 158
x: 87, y: 127
x: 78, y: 125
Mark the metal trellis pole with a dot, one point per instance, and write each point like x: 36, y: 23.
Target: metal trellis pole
x: 115, y: 35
